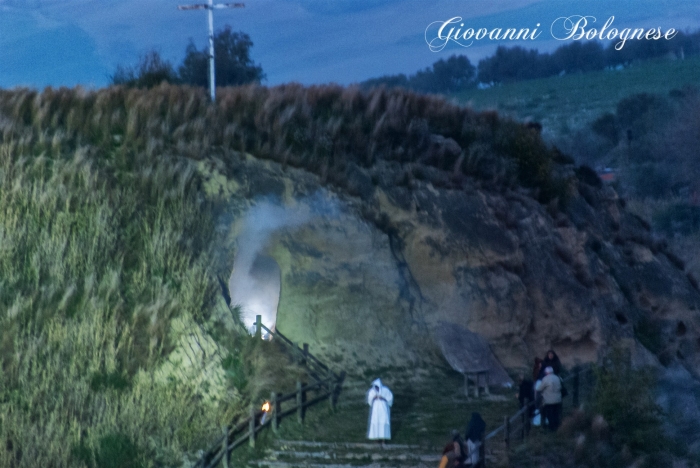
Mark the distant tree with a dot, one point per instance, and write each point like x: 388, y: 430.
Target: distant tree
x: 151, y: 70
x: 446, y: 76
x: 606, y: 126
x: 390, y: 81
x: 514, y: 64
x: 232, y: 62
x: 579, y: 57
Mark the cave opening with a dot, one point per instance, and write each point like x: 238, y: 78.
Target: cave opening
x: 255, y: 287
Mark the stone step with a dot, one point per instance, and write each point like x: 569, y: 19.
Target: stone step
x: 350, y: 445
x: 312, y: 454
x: 374, y: 456
x: 301, y: 464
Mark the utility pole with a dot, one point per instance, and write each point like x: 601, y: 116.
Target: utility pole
x: 210, y: 7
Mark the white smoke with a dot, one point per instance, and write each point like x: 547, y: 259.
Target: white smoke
x: 254, y: 283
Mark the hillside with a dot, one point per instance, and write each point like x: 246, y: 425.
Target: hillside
x: 384, y: 216
x: 565, y: 103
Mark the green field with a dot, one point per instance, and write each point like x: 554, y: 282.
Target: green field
x: 565, y: 103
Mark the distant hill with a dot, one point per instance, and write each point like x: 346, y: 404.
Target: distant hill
x: 565, y: 103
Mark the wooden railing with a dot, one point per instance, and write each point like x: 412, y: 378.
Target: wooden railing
x: 517, y: 427
x: 326, y: 388
x: 318, y: 369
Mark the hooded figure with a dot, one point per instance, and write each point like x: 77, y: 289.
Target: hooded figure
x: 379, y: 399
x: 551, y: 360
x: 475, y: 434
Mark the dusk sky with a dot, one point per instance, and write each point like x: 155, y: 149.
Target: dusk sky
x: 70, y: 42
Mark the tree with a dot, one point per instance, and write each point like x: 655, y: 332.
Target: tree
x: 390, y: 81
x: 624, y: 396
x: 151, y: 70
x: 232, y: 62
x: 446, y: 76
x: 514, y: 64
x: 578, y: 57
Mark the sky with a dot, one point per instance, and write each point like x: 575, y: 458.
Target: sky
x: 80, y: 42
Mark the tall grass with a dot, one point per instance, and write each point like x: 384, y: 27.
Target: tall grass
x: 323, y: 129
x: 99, y: 252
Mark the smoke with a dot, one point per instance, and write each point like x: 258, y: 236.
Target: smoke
x: 255, y: 280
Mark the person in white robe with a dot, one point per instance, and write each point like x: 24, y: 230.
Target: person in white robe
x: 379, y: 399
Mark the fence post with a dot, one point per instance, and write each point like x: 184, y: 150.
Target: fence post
x: 506, y: 430
x: 575, y: 396
x: 300, y: 408
x: 466, y: 385
x: 482, y: 453
x: 331, y: 395
x: 275, y: 412
x: 528, y: 421
x: 488, y: 381
x: 224, y: 447
x: 258, y: 326
x: 306, y: 353
x: 251, y: 427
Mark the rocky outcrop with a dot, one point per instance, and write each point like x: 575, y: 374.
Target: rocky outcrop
x: 379, y: 263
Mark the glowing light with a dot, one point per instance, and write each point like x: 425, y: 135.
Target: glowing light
x: 266, y: 407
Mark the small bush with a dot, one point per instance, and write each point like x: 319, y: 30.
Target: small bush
x: 150, y: 71
x: 606, y: 126
x: 117, y: 451
x: 114, y: 380
x: 623, y: 396
x: 679, y: 218
x: 588, y: 176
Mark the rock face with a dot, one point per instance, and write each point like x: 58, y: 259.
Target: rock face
x: 372, y: 269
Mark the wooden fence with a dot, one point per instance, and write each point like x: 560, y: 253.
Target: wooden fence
x: 317, y: 369
x: 326, y: 388
x: 516, y: 428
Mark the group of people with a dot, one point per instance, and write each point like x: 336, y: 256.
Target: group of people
x: 464, y: 452
x: 545, y: 390
x: 459, y: 452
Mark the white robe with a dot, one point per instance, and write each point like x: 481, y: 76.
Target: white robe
x: 379, y: 415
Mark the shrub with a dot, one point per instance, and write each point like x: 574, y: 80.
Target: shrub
x: 607, y: 127
x: 623, y: 396
x: 150, y: 71
x: 678, y: 218
x: 117, y: 451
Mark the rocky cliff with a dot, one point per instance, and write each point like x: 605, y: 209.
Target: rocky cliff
x: 369, y: 270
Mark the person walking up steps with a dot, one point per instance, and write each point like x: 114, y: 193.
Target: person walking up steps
x: 379, y: 399
x: 550, y: 388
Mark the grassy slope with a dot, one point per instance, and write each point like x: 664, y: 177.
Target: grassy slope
x: 568, y: 102
x: 101, y: 249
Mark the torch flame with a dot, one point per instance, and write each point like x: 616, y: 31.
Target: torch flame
x: 266, y: 407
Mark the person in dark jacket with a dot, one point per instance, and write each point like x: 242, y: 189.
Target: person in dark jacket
x: 551, y: 360
x: 526, y: 394
x: 537, y: 369
x: 474, y: 438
